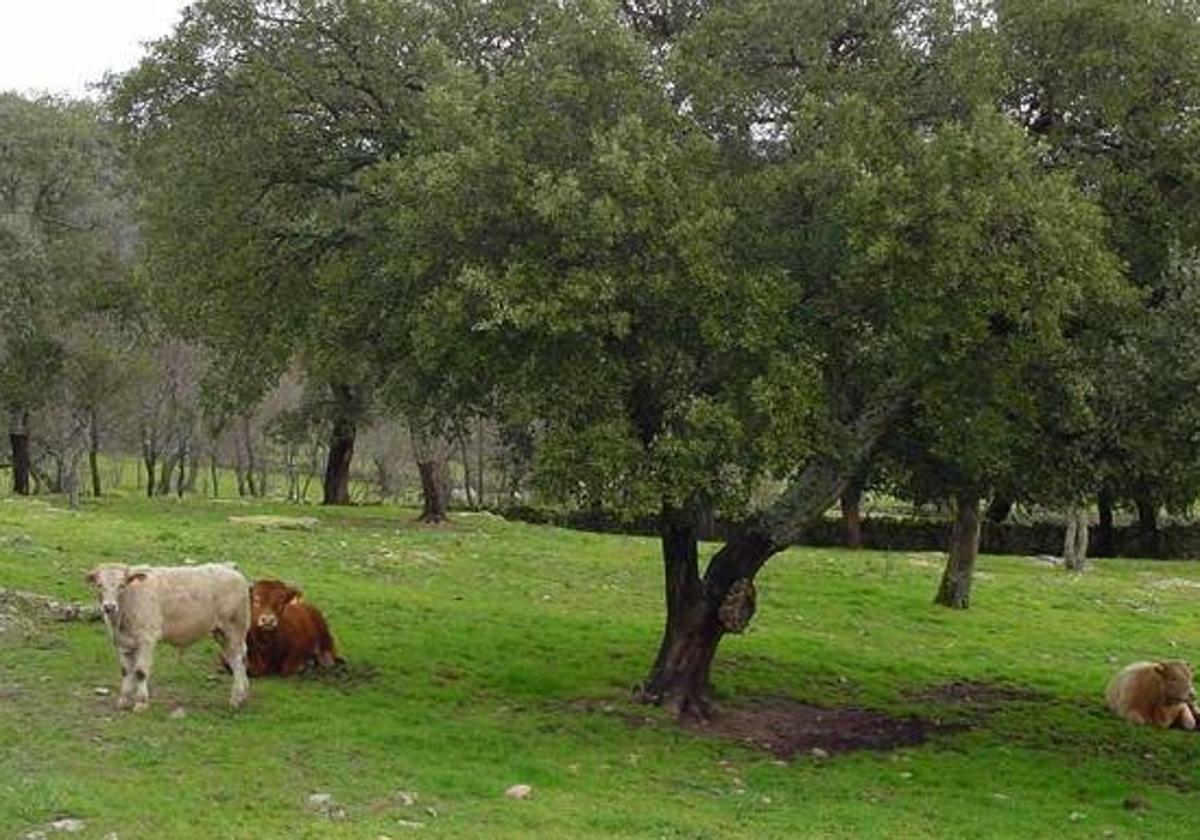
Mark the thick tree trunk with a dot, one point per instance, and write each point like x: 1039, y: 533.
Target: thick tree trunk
x: 999, y: 508
x: 94, y: 451
x: 700, y: 613
x: 1105, y: 543
x: 434, y: 489
x: 955, y: 591
x: 1147, y: 513
x: 341, y: 447
x: 851, y: 504
x: 150, y: 458
x: 18, y: 438
x: 1075, y: 540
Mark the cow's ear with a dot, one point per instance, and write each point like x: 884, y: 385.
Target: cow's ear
x: 1161, y: 668
x: 134, y: 577
x: 90, y: 578
x: 294, y: 596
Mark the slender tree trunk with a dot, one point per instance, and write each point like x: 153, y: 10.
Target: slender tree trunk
x: 18, y: 438
x: 480, y: 444
x: 248, y: 443
x: 1075, y: 540
x: 212, y: 469
x: 999, y: 508
x: 1105, y: 542
x: 851, y: 504
x: 468, y: 486
x: 94, y: 451
x: 168, y: 472
x: 434, y: 490
x: 341, y: 447
x: 955, y: 591
x: 183, y: 459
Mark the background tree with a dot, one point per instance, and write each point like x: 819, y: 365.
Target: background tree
x: 60, y: 226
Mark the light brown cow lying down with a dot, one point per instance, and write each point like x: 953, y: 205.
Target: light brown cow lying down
x: 143, y: 605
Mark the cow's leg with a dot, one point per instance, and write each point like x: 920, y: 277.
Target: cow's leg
x: 143, y: 662
x: 234, y: 648
x: 128, y: 681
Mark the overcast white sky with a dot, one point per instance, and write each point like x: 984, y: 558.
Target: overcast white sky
x: 60, y: 46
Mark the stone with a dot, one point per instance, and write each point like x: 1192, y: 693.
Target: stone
x: 68, y: 824
x: 817, y: 752
x: 101, y: 691
x: 1076, y: 816
x: 410, y: 824
x: 178, y: 713
x: 325, y: 805
x: 519, y: 792
x: 406, y: 798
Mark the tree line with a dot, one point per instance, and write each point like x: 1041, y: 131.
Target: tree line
x: 688, y: 257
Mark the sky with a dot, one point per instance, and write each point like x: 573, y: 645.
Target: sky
x: 60, y: 46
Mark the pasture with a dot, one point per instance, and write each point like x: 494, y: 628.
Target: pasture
x: 485, y: 654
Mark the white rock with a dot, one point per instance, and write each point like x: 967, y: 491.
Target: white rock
x: 177, y: 713
x: 410, y: 824
x: 406, y: 798
x: 519, y: 792
x: 67, y: 824
x: 101, y: 691
x: 817, y: 752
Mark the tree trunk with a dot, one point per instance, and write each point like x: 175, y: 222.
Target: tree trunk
x: 698, y: 617
x: 168, y: 472
x: 18, y: 438
x: 468, y: 486
x: 1075, y: 541
x: 1147, y: 512
x: 181, y: 478
x: 699, y: 613
x: 955, y: 591
x: 341, y: 447
x: 851, y: 503
x: 1105, y: 543
x: 479, y: 451
x: 434, y: 488
x: 999, y: 508
x: 248, y: 442
x: 94, y: 451
x: 212, y: 469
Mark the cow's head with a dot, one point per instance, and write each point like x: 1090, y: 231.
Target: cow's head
x: 109, y: 580
x: 267, y: 600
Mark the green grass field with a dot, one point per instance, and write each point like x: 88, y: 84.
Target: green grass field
x: 485, y: 654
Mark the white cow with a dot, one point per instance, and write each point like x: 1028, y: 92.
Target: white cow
x: 143, y: 605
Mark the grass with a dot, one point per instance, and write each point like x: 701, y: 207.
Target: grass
x: 488, y: 653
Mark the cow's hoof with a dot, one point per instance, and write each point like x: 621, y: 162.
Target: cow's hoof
x: 141, y: 706
x: 124, y: 703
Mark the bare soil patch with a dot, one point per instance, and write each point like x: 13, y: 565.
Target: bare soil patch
x: 786, y: 727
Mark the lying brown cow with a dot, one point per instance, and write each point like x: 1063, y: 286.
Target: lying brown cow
x: 287, y: 634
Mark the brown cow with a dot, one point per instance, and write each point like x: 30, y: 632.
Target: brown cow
x: 287, y: 634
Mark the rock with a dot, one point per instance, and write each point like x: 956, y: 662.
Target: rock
x: 112, y: 835
x: 101, y: 691
x: 406, y: 798
x: 410, y: 824
x: 35, y: 835
x: 325, y: 805
x: 1076, y: 816
x: 178, y: 713
x: 519, y: 792
x: 68, y: 824
x: 817, y: 752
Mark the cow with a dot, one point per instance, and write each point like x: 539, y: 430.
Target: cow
x: 287, y: 634
x: 143, y: 605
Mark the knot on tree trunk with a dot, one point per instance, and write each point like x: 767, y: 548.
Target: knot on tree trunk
x: 737, y: 608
